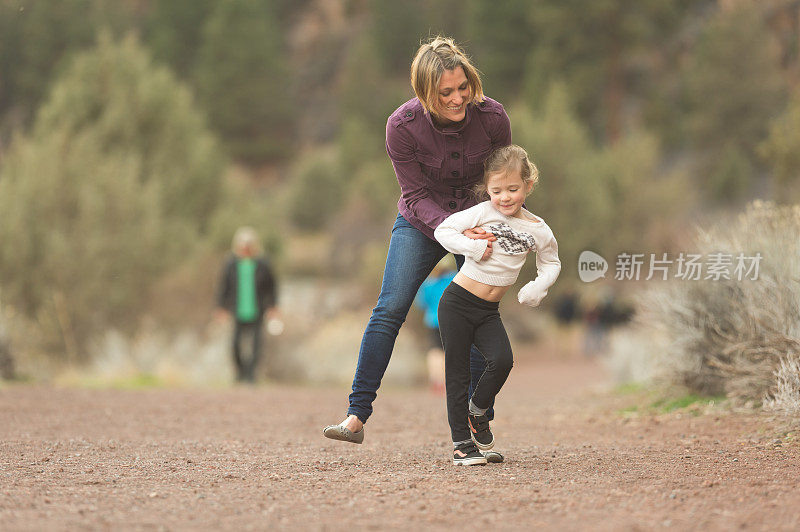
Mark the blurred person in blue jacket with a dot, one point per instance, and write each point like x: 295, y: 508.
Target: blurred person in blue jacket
x: 428, y: 296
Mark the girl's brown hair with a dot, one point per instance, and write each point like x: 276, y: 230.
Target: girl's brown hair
x: 506, y: 159
x: 432, y: 59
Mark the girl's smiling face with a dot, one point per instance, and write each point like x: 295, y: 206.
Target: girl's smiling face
x: 507, y: 192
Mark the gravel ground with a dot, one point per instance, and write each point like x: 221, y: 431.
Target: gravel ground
x: 254, y: 458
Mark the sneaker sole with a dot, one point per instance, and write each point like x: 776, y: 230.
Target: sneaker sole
x: 469, y: 461
x: 482, y: 446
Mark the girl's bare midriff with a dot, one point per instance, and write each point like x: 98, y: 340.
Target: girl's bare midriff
x: 476, y: 288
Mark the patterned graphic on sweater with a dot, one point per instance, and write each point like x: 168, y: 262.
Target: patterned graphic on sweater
x: 512, y: 242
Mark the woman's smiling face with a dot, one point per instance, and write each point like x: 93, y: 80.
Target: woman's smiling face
x: 454, y: 95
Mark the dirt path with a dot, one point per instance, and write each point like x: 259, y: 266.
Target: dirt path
x: 254, y: 458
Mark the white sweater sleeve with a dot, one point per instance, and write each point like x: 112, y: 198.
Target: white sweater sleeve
x: 548, y: 266
x: 449, y: 233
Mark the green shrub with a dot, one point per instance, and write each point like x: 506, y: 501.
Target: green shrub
x: 114, y: 186
x: 316, y: 189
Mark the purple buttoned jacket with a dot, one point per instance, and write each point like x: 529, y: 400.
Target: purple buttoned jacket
x: 437, y: 168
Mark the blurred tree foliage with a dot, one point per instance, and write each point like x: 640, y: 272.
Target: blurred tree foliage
x: 622, y: 62
x: 316, y: 190
x: 397, y: 28
x: 35, y: 37
x: 243, y: 80
x: 781, y: 150
x: 174, y: 32
x: 603, y: 198
x: 366, y: 93
x: 601, y: 50
x: 734, y: 88
x: 610, y: 98
x: 114, y: 186
x: 240, y: 204
x: 558, y: 144
x: 500, y: 37
x: 132, y: 105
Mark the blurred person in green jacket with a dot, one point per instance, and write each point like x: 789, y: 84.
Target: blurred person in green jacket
x: 247, y: 292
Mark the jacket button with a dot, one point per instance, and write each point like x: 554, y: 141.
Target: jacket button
x: 454, y: 173
x: 409, y: 114
x: 452, y: 205
x: 455, y: 155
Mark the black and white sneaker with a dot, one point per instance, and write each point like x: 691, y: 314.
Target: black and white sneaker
x: 480, y: 433
x: 468, y: 454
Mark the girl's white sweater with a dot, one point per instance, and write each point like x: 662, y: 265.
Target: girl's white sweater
x: 515, y: 238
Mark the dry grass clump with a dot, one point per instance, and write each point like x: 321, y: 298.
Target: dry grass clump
x: 731, y: 336
x: 786, y: 397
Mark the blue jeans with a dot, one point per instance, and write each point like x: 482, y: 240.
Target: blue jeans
x: 410, y: 260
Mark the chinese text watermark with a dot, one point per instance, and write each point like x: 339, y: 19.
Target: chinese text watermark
x: 684, y: 266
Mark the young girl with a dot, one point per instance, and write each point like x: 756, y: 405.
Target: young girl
x: 468, y: 310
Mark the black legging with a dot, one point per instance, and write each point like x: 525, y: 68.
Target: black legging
x: 465, y: 319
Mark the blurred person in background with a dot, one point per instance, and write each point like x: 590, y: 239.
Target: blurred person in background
x: 566, y: 310
x: 603, y: 311
x: 437, y: 142
x: 247, y: 293
x: 428, y: 296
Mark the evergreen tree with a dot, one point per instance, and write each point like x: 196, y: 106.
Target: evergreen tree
x: 397, y: 29
x: 133, y: 105
x: 174, y: 32
x: 113, y: 186
x: 366, y: 93
x: 731, y: 177
x: 316, y: 190
x: 558, y: 143
x: 35, y: 38
x: 636, y: 199
x: 781, y: 151
x: 500, y: 38
x: 243, y: 80
x: 733, y: 84
x: 10, y: 62
x: 601, y: 50
x: 446, y: 17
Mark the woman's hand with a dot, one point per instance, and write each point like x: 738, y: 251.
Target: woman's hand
x: 488, y: 252
x: 476, y: 233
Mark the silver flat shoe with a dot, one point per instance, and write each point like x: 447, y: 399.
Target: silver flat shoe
x: 338, y: 432
x: 493, y: 457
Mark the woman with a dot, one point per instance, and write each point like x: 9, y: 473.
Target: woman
x: 437, y: 143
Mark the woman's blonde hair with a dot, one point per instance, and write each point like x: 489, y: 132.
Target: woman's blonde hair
x: 432, y: 59
x: 507, y: 159
x: 245, y: 237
